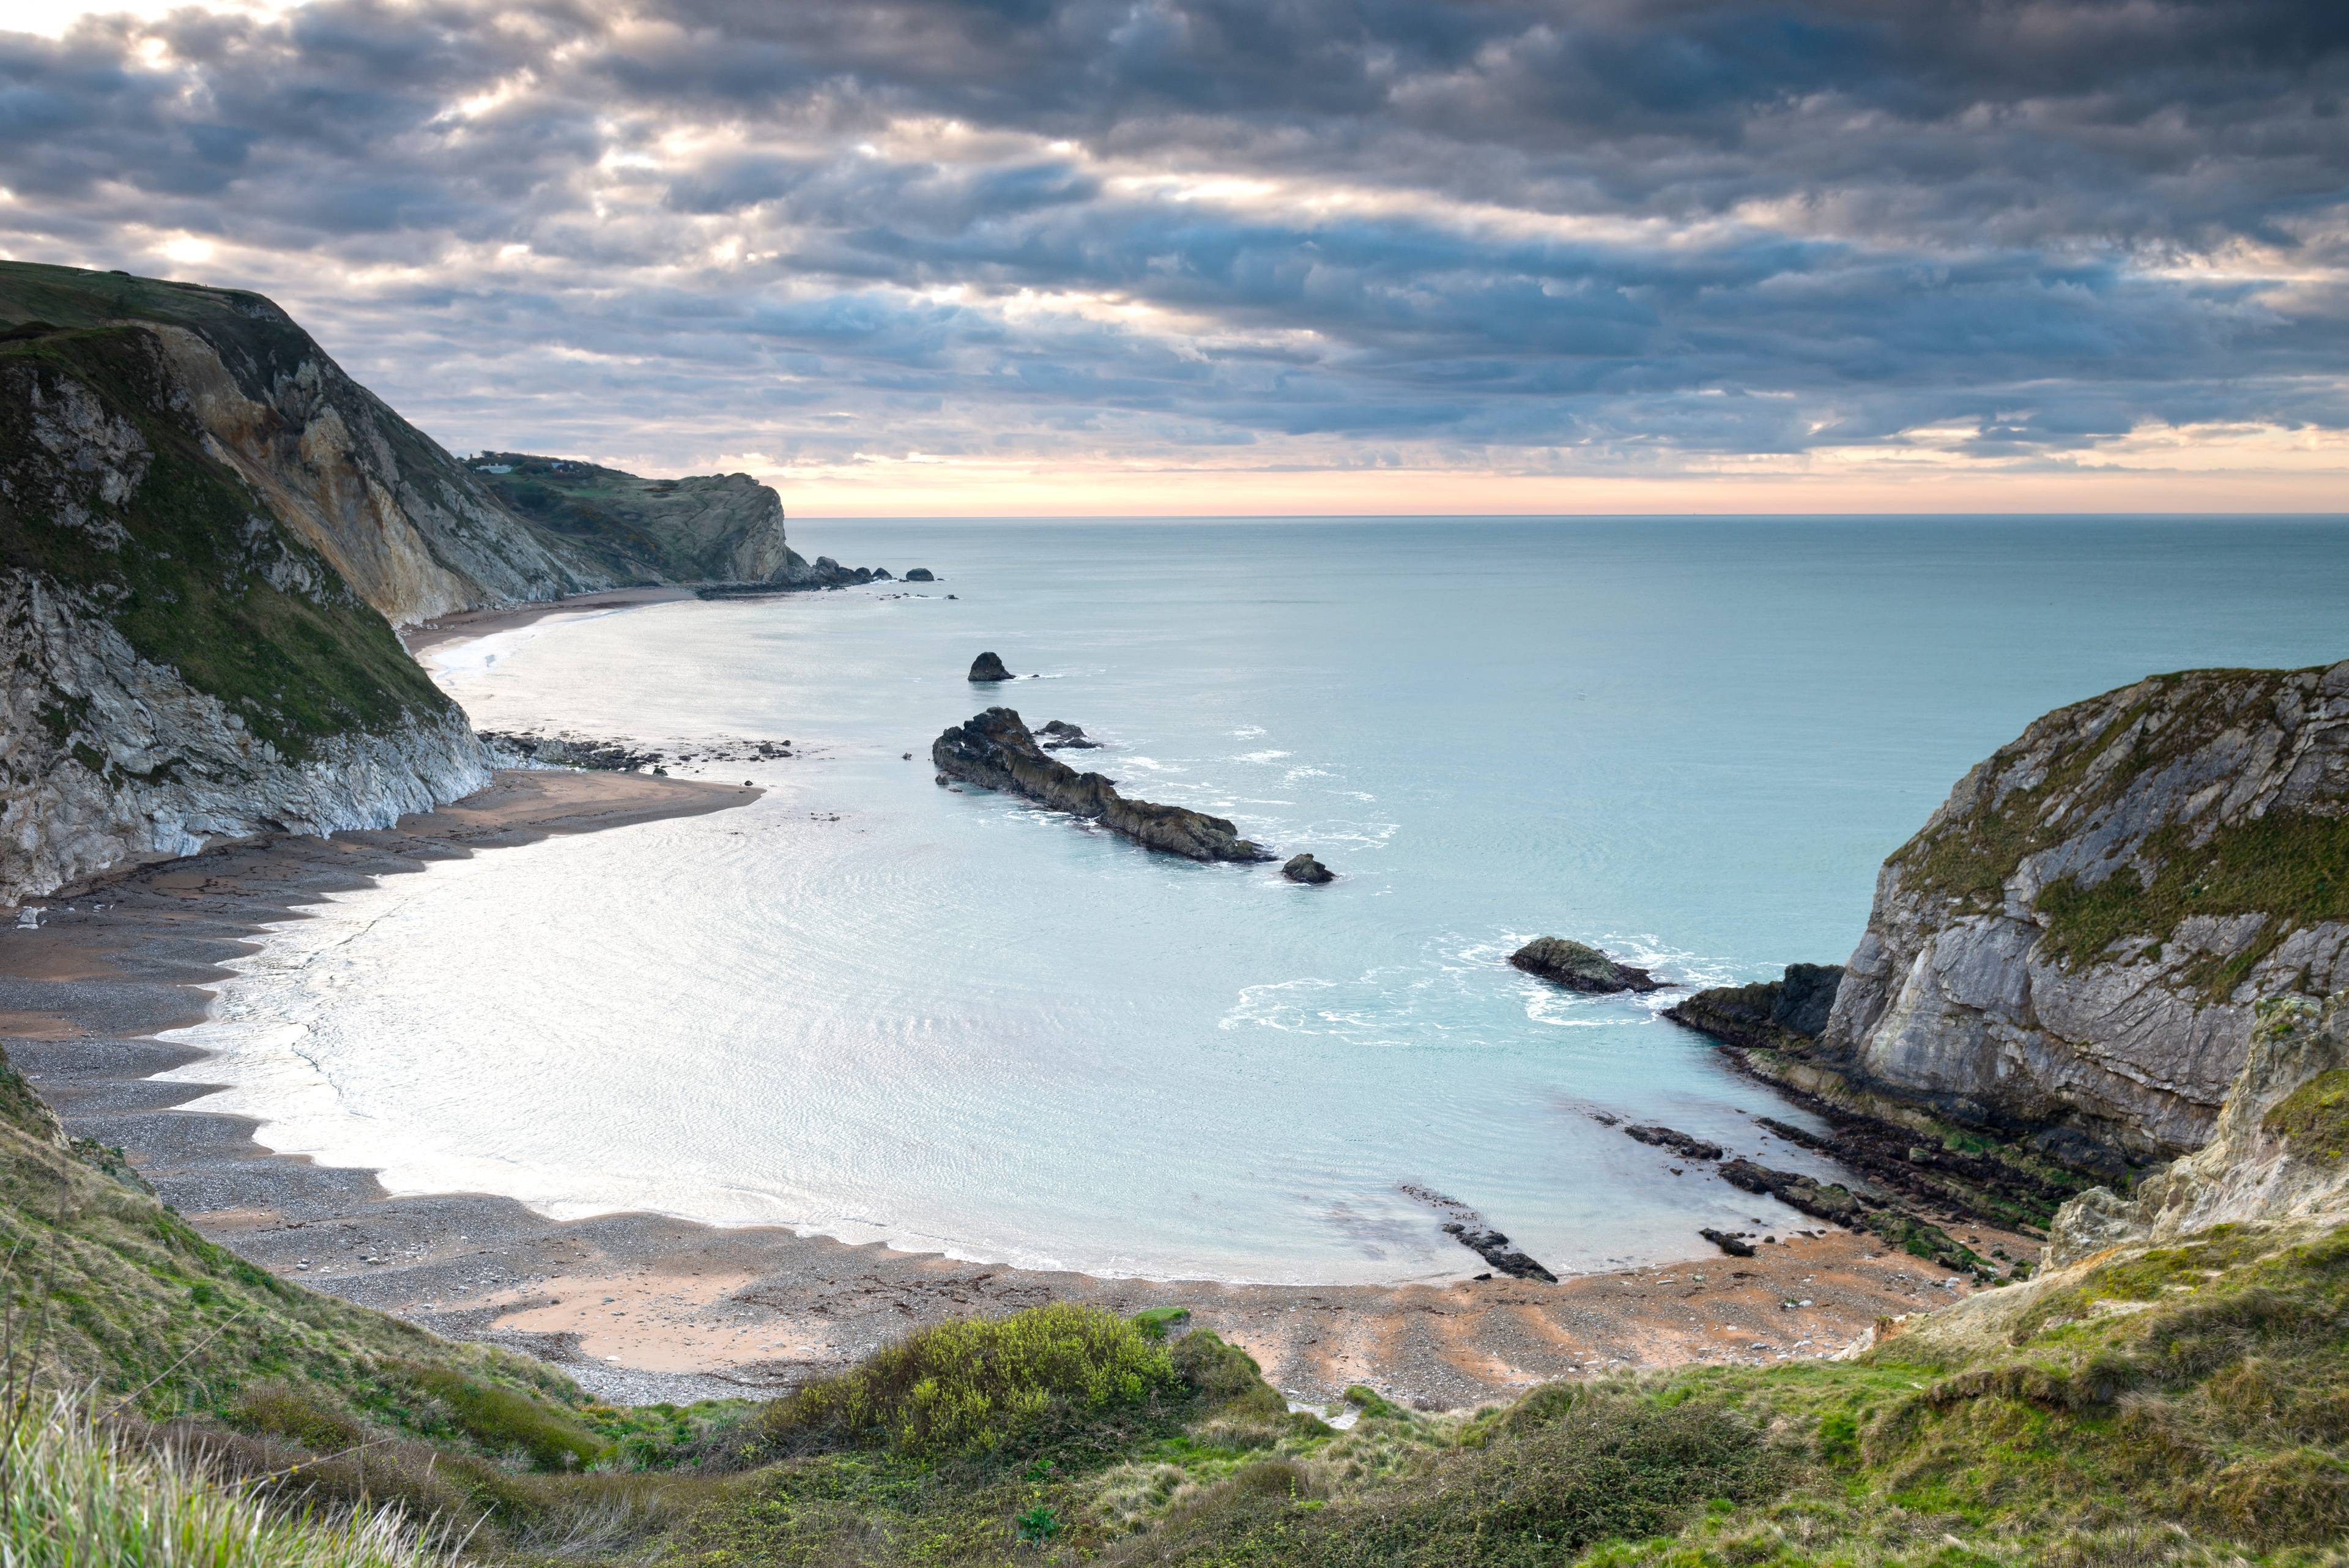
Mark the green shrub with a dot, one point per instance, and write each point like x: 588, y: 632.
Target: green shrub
x: 968, y: 1387
x: 502, y: 1420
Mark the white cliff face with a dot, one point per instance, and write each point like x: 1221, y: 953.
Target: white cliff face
x: 2077, y: 937
x: 2279, y: 1153
x: 108, y: 757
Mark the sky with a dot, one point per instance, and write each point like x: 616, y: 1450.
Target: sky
x: 914, y: 258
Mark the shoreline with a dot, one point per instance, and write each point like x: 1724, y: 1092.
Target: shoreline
x: 642, y: 1306
x: 465, y: 626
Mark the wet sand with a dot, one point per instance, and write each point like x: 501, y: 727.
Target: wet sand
x: 642, y: 1307
x: 469, y: 624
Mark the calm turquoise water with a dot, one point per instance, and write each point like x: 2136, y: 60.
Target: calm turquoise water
x: 882, y: 1009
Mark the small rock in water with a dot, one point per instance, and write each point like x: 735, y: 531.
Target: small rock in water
x: 1305, y: 868
x: 1580, y: 967
x: 987, y: 667
x: 919, y: 575
x: 1066, y: 736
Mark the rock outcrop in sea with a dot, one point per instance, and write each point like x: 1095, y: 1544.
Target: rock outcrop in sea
x: 1580, y: 967
x: 987, y: 667
x: 1472, y: 1230
x: 2071, y: 951
x: 995, y: 751
x: 1305, y: 868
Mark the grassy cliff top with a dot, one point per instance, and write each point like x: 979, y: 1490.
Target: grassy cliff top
x: 2208, y: 792
x: 686, y: 530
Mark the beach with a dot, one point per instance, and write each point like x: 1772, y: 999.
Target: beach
x: 644, y: 1306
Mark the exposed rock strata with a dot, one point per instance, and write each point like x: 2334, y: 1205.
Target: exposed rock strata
x: 995, y: 751
x: 2077, y: 937
x: 1580, y: 967
x: 178, y: 662
x: 1679, y: 1142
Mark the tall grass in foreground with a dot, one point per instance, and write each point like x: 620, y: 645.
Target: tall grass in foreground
x: 71, y: 1497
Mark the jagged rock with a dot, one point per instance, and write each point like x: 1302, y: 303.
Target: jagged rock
x: 1735, y: 1246
x: 1578, y: 967
x: 2075, y: 941
x: 1064, y: 736
x: 1468, y: 1228
x: 920, y: 574
x: 1305, y: 868
x: 995, y: 750
x: 987, y: 667
x: 1680, y: 1143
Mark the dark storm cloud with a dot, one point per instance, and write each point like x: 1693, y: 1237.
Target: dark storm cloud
x: 1621, y: 229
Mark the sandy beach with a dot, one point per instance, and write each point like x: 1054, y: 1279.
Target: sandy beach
x: 643, y: 1306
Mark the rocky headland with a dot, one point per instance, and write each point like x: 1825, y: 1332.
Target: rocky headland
x: 995, y: 751
x: 1580, y: 967
x: 208, y: 535
x: 2061, y: 974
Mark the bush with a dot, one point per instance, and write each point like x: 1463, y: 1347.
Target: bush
x: 968, y: 1387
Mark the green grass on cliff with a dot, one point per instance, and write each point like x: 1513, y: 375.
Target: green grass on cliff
x: 207, y: 584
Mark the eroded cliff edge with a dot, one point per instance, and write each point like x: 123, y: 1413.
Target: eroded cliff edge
x: 177, y: 661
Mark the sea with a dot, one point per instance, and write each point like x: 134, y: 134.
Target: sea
x: 870, y: 1007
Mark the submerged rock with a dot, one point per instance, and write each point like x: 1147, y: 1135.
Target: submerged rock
x: 1063, y: 736
x: 1468, y: 1228
x: 1677, y: 1141
x: 987, y: 667
x: 1580, y: 967
x: 996, y: 749
x: 1305, y: 868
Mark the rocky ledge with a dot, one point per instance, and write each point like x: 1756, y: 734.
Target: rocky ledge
x: 995, y: 751
x: 1771, y: 1030
x: 1580, y: 967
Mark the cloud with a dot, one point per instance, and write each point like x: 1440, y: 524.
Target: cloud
x: 1627, y: 236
